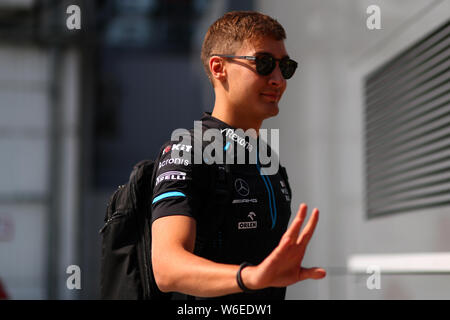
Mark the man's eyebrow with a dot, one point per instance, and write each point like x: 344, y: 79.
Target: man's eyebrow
x: 265, y: 52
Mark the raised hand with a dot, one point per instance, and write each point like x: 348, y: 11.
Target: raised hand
x: 283, y: 266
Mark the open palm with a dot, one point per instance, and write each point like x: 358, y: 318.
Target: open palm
x: 283, y: 266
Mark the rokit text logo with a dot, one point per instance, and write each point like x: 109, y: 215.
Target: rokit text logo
x: 177, y: 147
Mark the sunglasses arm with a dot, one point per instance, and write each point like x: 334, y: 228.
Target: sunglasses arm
x: 235, y: 57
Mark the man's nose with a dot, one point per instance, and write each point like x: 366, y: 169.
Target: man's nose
x: 276, y: 77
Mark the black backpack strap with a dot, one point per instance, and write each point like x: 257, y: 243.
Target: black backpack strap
x: 144, y: 181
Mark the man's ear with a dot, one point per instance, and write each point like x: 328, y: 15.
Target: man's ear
x: 217, y: 68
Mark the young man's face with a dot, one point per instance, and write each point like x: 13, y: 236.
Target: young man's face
x: 256, y: 95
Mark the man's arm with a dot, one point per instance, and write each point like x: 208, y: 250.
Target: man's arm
x: 176, y: 268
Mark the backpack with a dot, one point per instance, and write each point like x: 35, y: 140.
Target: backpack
x: 126, y: 266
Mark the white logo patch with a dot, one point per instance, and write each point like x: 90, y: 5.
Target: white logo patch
x: 245, y: 201
x: 171, y: 175
x: 248, y: 224
x: 173, y: 161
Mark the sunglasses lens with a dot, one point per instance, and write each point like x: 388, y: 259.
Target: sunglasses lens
x: 265, y: 65
x: 288, y: 68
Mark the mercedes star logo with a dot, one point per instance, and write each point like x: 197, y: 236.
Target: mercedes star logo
x: 242, y: 187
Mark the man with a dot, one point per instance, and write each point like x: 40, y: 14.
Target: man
x: 240, y: 246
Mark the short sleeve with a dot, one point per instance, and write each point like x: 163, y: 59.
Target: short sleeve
x: 174, y: 183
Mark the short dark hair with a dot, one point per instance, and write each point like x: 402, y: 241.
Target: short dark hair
x: 229, y: 32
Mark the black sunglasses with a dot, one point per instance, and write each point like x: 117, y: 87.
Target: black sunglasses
x: 266, y: 63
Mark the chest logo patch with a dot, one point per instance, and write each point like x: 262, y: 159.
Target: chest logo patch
x: 242, y: 187
x: 171, y: 175
x: 248, y: 224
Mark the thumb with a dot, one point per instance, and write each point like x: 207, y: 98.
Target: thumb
x: 312, y: 273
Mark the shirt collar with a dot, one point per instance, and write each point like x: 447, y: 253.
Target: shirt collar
x: 212, y: 122
x: 230, y: 136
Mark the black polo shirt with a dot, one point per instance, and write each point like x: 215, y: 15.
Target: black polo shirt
x: 247, y: 223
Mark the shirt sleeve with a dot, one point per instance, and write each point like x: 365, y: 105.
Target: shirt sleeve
x: 175, y: 183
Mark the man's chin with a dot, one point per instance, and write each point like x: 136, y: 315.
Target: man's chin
x: 271, y: 110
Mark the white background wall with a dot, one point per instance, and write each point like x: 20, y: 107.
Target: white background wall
x: 321, y: 142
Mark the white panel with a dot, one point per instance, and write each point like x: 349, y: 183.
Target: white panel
x: 401, y: 263
x: 432, y: 15
x: 23, y: 64
x: 22, y: 255
x: 23, y: 166
x: 23, y: 110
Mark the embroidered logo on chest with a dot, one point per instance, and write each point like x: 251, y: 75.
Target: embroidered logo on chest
x: 242, y: 187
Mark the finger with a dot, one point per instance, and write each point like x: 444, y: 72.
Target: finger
x: 284, y: 245
x: 311, y: 273
x: 294, y: 229
x: 308, y: 231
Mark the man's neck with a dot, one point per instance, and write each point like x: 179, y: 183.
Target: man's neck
x: 235, y: 119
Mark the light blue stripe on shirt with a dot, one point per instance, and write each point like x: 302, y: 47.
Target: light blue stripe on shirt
x: 167, y: 195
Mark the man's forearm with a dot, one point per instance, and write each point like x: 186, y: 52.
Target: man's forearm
x: 184, y: 272
x: 178, y: 269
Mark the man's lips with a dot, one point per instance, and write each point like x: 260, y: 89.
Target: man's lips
x: 274, y: 96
